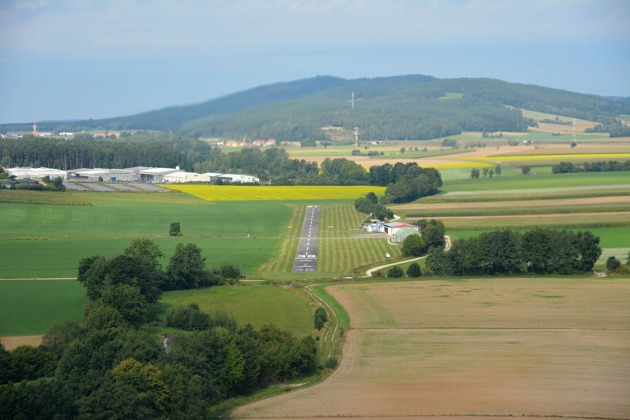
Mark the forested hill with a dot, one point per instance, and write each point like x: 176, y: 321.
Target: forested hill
x: 400, y: 107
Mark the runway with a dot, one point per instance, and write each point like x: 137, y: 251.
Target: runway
x: 306, y: 255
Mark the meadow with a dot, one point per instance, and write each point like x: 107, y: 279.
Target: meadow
x: 475, y: 347
x: 29, y: 307
x: 250, y: 303
x: 50, y: 240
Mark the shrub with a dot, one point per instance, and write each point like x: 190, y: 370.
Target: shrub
x: 612, y: 264
x: 414, y: 270
x: 331, y: 363
x: 320, y: 318
x: 395, y: 272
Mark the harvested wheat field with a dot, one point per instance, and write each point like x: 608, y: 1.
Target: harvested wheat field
x: 475, y: 348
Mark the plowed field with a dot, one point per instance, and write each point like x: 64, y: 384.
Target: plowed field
x: 473, y: 349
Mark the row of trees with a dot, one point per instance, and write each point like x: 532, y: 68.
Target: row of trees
x: 108, y: 367
x: 87, y: 152
x: 487, y: 172
x: 540, y: 251
x: 610, y: 166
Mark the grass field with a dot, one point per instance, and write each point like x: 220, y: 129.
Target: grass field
x: 29, y: 307
x: 475, y: 348
x: 556, y: 181
x: 49, y: 240
x: 255, y: 304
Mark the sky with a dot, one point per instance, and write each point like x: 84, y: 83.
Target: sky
x: 80, y: 59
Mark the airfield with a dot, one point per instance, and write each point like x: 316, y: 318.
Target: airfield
x: 490, y: 347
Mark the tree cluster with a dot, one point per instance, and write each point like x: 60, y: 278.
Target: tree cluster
x: 431, y: 238
x: 271, y: 164
x: 540, y: 251
x: 370, y: 205
x: 107, y: 367
x: 131, y: 284
x: 405, y: 181
x: 610, y: 166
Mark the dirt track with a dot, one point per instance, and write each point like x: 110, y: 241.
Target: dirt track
x: 476, y: 348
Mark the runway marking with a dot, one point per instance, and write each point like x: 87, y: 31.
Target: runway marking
x: 306, y: 255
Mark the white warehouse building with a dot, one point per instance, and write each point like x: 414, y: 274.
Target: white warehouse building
x: 36, y: 173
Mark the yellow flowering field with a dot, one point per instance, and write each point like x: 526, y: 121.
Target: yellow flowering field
x: 558, y: 156
x: 274, y: 192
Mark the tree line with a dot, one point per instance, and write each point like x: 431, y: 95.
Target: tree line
x: 107, y: 366
x: 87, y: 152
x: 609, y: 166
x: 539, y: 251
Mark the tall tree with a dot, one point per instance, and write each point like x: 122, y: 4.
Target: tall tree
x: 186, y: 269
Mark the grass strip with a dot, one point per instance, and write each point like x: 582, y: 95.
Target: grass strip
x: 515, y: 212
x: 521, y: 197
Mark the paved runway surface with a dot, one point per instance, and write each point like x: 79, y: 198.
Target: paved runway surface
x: 306, y: 256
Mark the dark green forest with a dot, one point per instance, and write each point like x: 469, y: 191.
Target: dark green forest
x: 84, y: 151
x: 413, y: 107
x: 537, y: 251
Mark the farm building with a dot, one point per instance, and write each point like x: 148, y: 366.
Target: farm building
x: 404, y: 233
x: 36, y: 173
x: 393, y: 227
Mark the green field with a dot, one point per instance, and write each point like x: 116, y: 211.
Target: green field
x: 255, y: 304
x: 522, y: 182
x: 29, y: 307
x: 49, y: 240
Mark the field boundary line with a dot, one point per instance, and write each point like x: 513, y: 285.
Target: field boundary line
x: 332, y: 312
